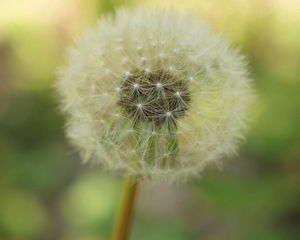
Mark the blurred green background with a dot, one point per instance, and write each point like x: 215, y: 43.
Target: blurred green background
x: 45, y: 192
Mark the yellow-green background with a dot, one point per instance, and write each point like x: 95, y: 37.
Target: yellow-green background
x: 45, y: 193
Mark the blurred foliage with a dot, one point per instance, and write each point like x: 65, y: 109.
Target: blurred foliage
x: 46, y: 194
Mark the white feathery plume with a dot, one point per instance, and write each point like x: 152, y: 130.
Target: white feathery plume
x: 154, y: 93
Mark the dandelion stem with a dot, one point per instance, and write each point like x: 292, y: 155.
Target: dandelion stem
x: 122, y: 225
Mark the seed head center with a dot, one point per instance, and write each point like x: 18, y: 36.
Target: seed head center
x: 146, y: 101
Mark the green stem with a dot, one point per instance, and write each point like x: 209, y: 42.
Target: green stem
x: 122, y: 225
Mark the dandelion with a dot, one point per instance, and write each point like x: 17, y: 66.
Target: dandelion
x: 154, y: 94
x: 149, y: 71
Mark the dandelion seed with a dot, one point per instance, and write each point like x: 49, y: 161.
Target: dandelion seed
x: 136, y: 86
x: 168, y: 114
x: 158, y: 85
x: 191, y: 78
x: 171, y: 68
x: 178, y: 94
x: 127, y: 74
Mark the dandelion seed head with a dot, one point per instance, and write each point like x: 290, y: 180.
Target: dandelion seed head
x: 145, y: 100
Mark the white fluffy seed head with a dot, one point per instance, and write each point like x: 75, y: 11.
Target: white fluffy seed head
x: 173, y: 112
